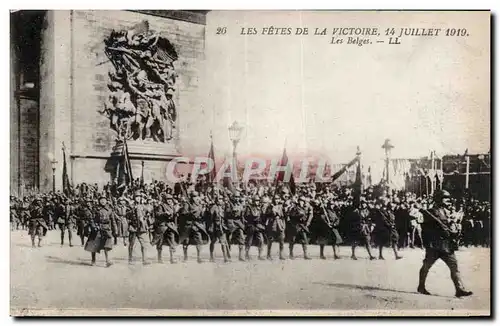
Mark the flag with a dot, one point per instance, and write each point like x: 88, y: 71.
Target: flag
x: 281, y: 174
x: 65, y: 178
x: 124, y: 170
x: 142, y: 174
x: 357, y: 187
x: 337, y: 174
x: 211, y: 155
x: 227, y: 182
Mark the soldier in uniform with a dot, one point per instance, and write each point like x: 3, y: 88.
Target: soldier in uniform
x: 275, y: 226
x: 439, y: 243
x: 138, y: 228
x: 416, y: 220
x: 37, y: 226
x: 193, y: 231
x: 217, y: 229
x: 254, y: 227
x: 324, y: 228
x: 359, y: 228
x: 300, y: 216
x: 14, y: 215
x: 385, y: 231
x: 165, y: 227
x: 235, y: 225
x: 102, y: 228
x: 48, y: 213
x: 150, y: 203
x: 63, y: 213
x: 121, y: 212
x: 85, y: 216
x: 24, y: 213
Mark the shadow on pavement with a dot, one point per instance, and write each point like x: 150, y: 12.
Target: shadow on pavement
x: 373, y: 288
x: 57, y: 260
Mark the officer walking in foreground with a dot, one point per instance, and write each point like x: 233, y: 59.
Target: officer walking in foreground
x: 138, y: 228
x: 440, y: 242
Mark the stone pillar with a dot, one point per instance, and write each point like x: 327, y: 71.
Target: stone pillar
x: 14, y: 121
x: 55, y: 96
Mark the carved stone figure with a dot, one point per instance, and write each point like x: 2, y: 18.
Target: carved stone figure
x: 141, y: 102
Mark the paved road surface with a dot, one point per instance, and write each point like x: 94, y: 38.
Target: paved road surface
x: 55, y: 277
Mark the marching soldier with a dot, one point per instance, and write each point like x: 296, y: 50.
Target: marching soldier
x: 217, y: 229
x: 300, y: 216
x: 325, y: 224
x: 102, y: 227
x: 275, y: 226
x: 254, y: 228
x: 121, y: 212
x: 24, y: 213
x: 440, y: 242
x: 85, y: 216
x: 63, y: 213
x: 385, y: 231
x: 165, y: 227
x: 359, y: 220
x: 14, y: 214
x: 193, y: 231
x: 48, y: 213
x: 37, y: 226
x: 138, y: 228
x: 235, y: 225
x: 150, y: 204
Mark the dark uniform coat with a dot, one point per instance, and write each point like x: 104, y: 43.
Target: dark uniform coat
x: 102, y: 228
x: 193, y: 227
x: 38, y: 225
x: 298, y: 230
x: 138, y: 219
x: 434, y: 236
x: 275, y: 223
x: 359, y: 226
x: 121, y: 212
x: 254, y: 226
x: 85, y: 216
x: 324, y: 227
x: 384, y: 232
x: 165, y: 226
x: 235, y: 225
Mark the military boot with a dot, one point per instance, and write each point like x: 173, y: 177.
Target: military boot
x: 240, y: 253
x: 306, y: 256
x: 172, y: 256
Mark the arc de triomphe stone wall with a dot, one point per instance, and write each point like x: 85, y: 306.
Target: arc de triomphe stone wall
x: 90, y: 59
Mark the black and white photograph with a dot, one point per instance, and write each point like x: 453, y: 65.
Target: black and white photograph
x: 250, y: 163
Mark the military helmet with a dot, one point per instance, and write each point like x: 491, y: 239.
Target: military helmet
x: 441, y: 194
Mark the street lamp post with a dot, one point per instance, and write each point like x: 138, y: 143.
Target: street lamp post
x: 235, y: 135
x: 54, y: 163
x: 387, y: 146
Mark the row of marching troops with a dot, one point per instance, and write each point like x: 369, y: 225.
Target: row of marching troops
x: 241, y: 218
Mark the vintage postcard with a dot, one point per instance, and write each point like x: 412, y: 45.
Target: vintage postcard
x: 249, y: 163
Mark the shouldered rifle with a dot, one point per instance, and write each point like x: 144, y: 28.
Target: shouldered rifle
x: 443, y: 226
x: 330, y: 224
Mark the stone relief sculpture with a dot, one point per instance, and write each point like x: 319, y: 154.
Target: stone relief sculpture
x: 140, y: 104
